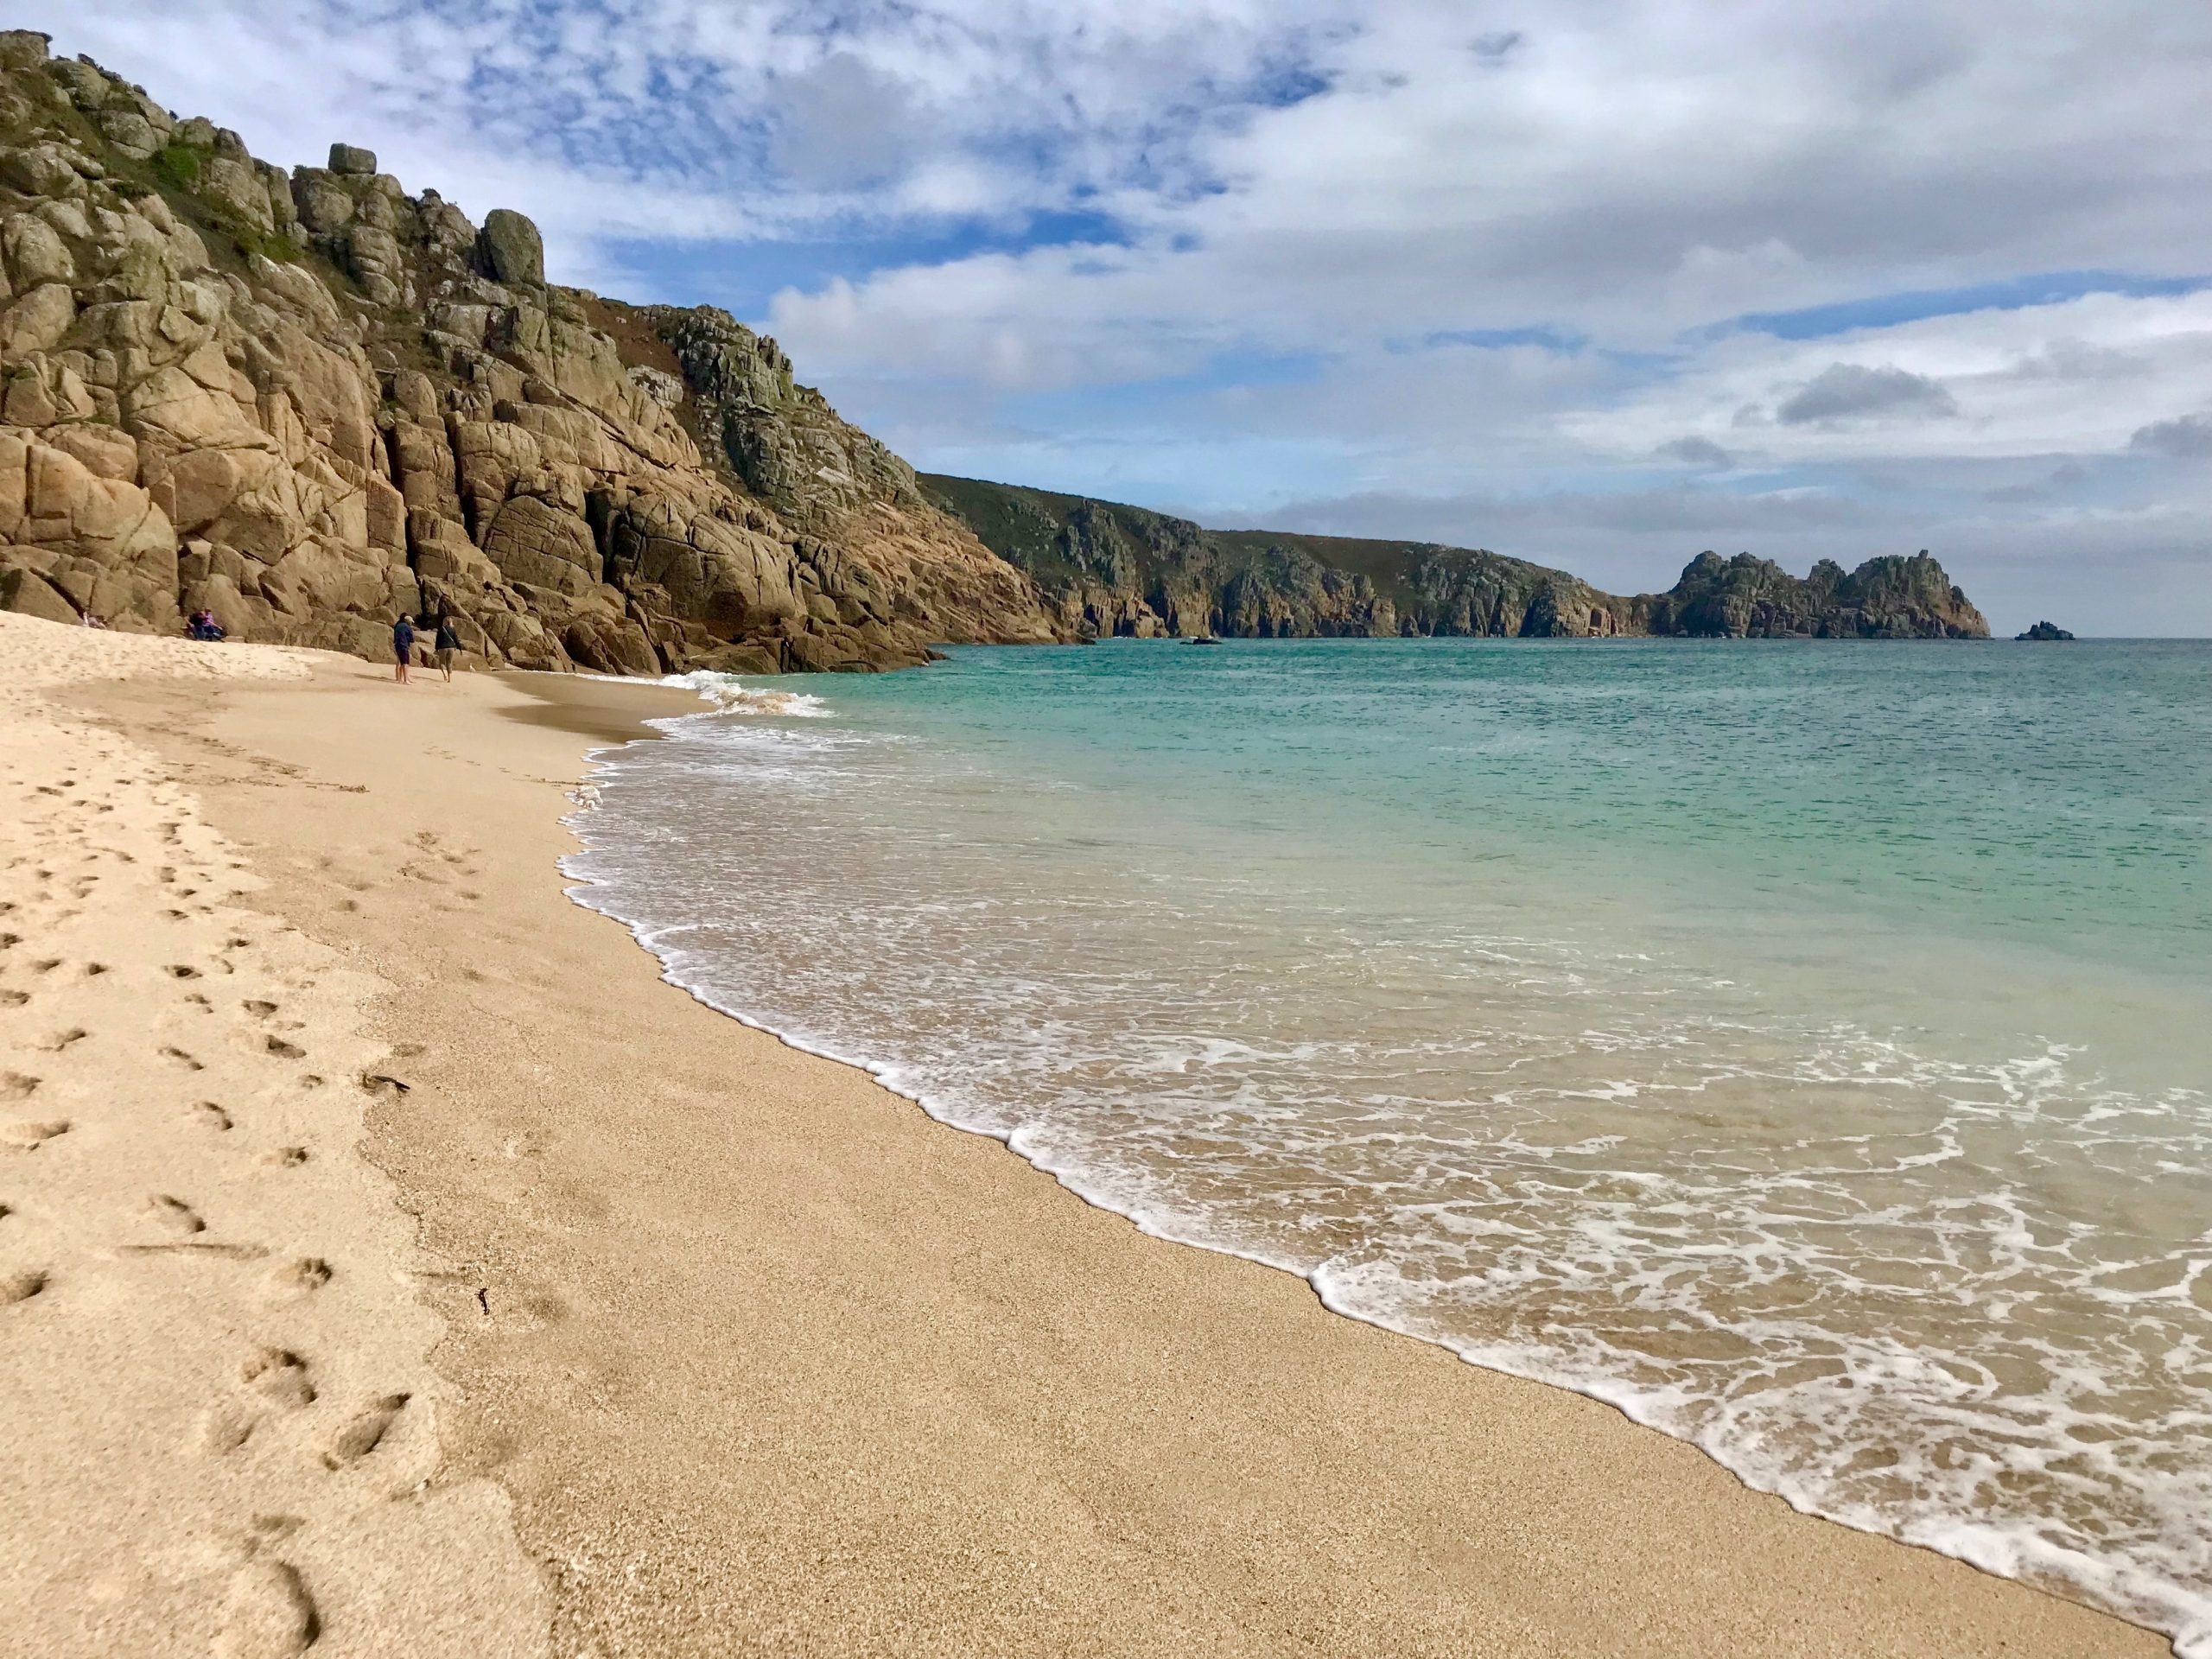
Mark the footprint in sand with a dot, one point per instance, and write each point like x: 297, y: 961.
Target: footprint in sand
x: 301, y: 1277
x: 29, y: 1135
x: 20, y: 1286
x: 174, y: 1214
x: 279, y: 1375
x: 258, y: 1008
x: 14, y: 1085
x: 286, y: 1157
x: 209, y: 1115
x: 362, y: 1434
x: 284, y: 1050
x: 267, y: 1614
x: 180, y: 971
x: 220, y: 1430
x: 64, y: 1038
x: 14, y: 999
x: 182, y: 1059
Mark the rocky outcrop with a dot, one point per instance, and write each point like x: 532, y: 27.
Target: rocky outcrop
x: 2044, y: 634
x: 1107, y: 570
x: 309, y: 401
x: 1887, y: 598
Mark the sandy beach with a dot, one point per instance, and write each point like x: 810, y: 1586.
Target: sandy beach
x: 394, y: 1264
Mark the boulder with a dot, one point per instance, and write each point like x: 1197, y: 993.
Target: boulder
x: 101, y: 541
x: 45, y: 392
x: 35, y: 253
x: 23, y: 48
x: 372, y: 258
x: 235, y: 188
x: 613, y: 645
x: 87, y: 87
x: 42, y: 170
x: 100, y: 450
x: 511, y: 249
x: 130, y: 132
x: 323, y: 208
x: 32, y: 594
x: 37, y: 321
x: 351, y: 161
x: 532, y: 541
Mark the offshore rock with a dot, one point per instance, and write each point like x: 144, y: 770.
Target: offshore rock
x: 2045, y: 633
x: 1108, y: 569
x: 308, y: 401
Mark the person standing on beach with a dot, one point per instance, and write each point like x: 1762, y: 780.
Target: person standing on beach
x: 403, y: 647
x: 447, y: 642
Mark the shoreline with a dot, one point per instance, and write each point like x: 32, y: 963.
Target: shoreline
x: 766, y: 1361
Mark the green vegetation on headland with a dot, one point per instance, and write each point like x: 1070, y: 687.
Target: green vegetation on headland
x: 1105, y: 569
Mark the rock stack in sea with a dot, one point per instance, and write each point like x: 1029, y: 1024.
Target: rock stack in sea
x: 309, y: 400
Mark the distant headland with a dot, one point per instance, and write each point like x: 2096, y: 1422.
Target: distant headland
x: 1105, y: 569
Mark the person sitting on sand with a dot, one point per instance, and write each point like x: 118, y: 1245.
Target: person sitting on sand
x: 91, y: 621
x: 403, y: 647
x: 204, y: 625
x: 447, y: 642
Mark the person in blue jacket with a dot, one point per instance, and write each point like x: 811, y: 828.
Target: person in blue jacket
x: 403, y: 647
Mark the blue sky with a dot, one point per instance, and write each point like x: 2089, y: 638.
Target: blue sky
x: 1601, y: 282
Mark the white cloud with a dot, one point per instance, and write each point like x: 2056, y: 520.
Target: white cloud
x: 2078, y: 377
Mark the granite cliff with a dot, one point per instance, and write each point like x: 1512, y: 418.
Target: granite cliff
x: 1104, y: 568
x: 308, y: 400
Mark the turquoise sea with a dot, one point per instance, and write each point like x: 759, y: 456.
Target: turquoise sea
x: 1805, y: 1046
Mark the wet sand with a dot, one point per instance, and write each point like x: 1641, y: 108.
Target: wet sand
x: 765, y: 1361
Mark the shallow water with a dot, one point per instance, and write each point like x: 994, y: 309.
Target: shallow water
x: 1803, y: 1046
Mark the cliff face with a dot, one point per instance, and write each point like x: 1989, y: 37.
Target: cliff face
x: 1105, y: 569
x: 310, y: 401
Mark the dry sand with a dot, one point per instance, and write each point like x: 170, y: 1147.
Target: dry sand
x: 766, y: 1361
x: 220, y: 1424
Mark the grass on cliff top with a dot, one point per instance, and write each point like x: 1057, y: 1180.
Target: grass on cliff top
x: 1024, y: 524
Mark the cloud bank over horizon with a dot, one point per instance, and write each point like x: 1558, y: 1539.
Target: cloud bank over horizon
x: 1601, y: 285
